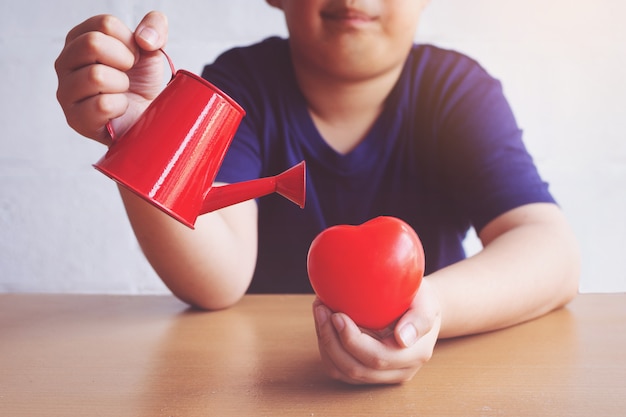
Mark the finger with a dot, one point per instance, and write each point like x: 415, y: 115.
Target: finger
x: 90, y: 81
x: 360, y: 375
x: 90, y: 116
x: 151, y: 33
x: 373, y: 353
x: 354, y: 371
x: 335, y: 359
x: 95, y: 48
x: 320, y: 315
x: 107, y: 24
x: 341, y: 364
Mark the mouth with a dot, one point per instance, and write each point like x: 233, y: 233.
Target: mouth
x: 347, y: 15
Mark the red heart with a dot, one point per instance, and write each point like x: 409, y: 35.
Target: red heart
x: 370, y: 272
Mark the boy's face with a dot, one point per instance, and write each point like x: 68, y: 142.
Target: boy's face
x: 350, y: 39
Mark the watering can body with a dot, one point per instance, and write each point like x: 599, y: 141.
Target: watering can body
x: 171, y: 155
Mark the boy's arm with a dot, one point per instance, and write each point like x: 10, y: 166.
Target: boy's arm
x: 209, y: 267
x: 106, y: 71
x: 529, y: 266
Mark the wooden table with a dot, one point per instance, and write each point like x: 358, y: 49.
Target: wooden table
x: 82, y: 355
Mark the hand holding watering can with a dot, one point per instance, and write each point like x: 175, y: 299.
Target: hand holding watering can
x: 170, y: 156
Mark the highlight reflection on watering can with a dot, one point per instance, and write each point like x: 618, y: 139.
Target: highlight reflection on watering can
x: 171, y: 155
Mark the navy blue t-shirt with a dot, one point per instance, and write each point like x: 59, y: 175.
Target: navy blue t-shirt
x: 445, y: 154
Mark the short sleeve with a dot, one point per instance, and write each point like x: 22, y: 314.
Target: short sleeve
x: 485, y: 165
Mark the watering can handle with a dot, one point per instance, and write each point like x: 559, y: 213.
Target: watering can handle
x: 109, y: 126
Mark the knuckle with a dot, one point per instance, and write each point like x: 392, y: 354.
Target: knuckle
x: 355, y: 373
x: 108, y: 23
x: 64, y: 101
x: 106, y: 104
x: 60, y: 96
x: 407, y: 377
x: 377, y: 362
x: 93, y: 42
x: 57, y: 65
x: 102, y: 105
x: 95, y: 75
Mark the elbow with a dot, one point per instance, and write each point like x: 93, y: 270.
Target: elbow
x: 210, y: 300
x: 569, y: 289
x: 570, y: 283
x: 203, y: 293
x: 206, y: 289
x: 573, y: 285
x: 212, y: 304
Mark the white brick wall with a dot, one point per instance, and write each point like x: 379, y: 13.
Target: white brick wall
x: 63, y: 228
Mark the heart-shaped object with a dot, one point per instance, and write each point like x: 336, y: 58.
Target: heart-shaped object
x: 371, y: 272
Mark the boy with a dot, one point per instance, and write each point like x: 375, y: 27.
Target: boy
x: 387, y: 128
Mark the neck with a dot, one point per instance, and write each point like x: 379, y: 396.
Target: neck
x: 334, y: 98
x: 344, y: 110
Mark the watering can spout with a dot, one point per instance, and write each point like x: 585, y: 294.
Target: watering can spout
x: 291, y: 184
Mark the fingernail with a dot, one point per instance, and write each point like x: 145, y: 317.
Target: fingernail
x: 408, y: 335
x: 149, y: 35
x: 321, y: 314
x: 338, y: 322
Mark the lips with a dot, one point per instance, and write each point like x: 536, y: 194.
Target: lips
x: 347, y: 14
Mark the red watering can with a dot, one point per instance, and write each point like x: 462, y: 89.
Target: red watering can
x: 171, y: 155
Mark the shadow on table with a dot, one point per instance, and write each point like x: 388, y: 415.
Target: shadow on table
x: 232, y: 361
x: 235, y: 362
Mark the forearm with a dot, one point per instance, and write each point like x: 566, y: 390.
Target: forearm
x: 521, y: 274
x: 209, y: 267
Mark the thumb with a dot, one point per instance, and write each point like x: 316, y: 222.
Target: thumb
x: 421, y: 317
x: 151, y: 33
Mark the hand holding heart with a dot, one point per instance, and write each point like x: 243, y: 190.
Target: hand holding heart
x: 349, y: 353
x: 370, y: 272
